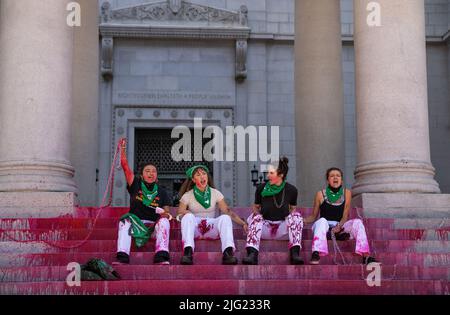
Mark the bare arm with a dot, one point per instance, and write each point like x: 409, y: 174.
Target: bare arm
x: 312, y: 217
x: 226, y: 210
x: 129, y: 176
x: 182, y: 209
x: 166, y: 213
x: 348, y: 202
x: 256, y: 208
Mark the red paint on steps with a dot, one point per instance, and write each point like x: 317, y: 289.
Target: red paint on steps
x: 392, y: 247
x: 214, y: 245
x: 87, y: 223
x: 215, y: 258
x: 238, y: 272
x: 229, y: 287
x: 175, y: 233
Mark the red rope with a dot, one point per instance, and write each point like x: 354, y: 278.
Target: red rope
x: 109, y: 188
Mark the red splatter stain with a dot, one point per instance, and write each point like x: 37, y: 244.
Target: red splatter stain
x: 273, y: 229
x: 203, y: 227
x: 417, y: 234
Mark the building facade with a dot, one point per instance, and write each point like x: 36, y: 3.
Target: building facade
x: 137, y: 69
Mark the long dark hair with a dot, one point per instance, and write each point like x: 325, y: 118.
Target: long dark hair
x: 188, y: 184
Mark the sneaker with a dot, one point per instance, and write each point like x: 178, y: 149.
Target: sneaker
x: 187, y: 258
x: 315, y: 258
x: 228, y: 257
x: 368, y: 260
x: 161, y: 258
x: 251, y: 258
x: 122, y: 258
x: 295, y: 256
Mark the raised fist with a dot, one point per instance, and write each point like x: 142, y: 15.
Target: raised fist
x: 123, y: 143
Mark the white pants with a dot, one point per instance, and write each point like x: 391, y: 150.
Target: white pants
x: 193, y: 227
x: 354, y: 227
x: 290, y: 228
x: 162, y: 234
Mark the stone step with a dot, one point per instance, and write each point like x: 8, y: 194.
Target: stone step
x: 83, y: 223
x: 214, y: 245
x: 175, y: 233
x: 215, y: 258
x: 404, y: 205
x: 243, y: 212
x: 229, y: 287
x: 238, y: 272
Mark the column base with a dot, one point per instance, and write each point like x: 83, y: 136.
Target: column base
x: 403, y: 205
x: 37, y: 204
x: 37, y: 176
x: 395, y: 177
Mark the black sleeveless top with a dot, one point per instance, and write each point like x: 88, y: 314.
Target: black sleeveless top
x: 332, y: 211
x: 285, y: 198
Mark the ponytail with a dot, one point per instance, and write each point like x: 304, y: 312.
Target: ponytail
x: 283, y: 167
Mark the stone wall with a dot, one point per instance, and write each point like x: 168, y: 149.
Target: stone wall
x: 266, y: 97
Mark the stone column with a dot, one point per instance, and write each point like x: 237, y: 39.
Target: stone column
x: 84, y: 147
x: 35, y: 107
x: 391, y: 100
x: 319, y: 100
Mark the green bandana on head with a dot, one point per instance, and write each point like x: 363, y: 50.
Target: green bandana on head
x: 147, y: 195
x: 203, y: 197
x: 272, y: 190
x: 190, y: 171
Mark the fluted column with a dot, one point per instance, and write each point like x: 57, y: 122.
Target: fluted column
x: 35, y: 98
x: 391, y: 100
x: 319, y: 100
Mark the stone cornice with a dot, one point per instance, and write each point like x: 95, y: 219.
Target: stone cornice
x: 346, y: 38
x: 175, y: 32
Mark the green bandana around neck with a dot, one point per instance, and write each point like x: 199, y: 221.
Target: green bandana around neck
x: 334, y: 196
x: 272, y: 190
x: 203, y: 197
x: 190, y: 171
x: 147, y: 195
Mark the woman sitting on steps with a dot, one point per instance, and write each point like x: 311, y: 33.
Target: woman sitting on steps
x: 333, y: 204
x: 274, y: 215
x: 146, y: 198
x: 197, y: 210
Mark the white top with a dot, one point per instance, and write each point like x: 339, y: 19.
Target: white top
x: 197, y: 209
